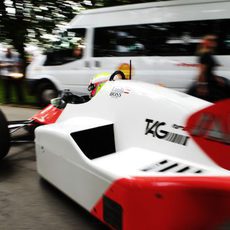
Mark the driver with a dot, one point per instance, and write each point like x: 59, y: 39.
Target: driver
x: 98, y: 82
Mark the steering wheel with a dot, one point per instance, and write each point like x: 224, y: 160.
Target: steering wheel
x: 74, y: 99
x: 118, y: 72
x: 71, y: 98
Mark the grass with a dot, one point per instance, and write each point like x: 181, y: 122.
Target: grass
x: 29, y: 100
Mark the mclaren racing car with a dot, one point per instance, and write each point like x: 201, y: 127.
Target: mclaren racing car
x: 140, y: 156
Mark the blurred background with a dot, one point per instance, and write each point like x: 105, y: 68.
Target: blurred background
x: 30, y: 27
x: 43, y: 46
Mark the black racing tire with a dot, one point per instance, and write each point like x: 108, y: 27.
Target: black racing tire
x: 4, y: 136
x: 45, y: 92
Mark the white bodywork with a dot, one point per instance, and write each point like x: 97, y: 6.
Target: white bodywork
x: 126, y: 105
x: 177, y: 72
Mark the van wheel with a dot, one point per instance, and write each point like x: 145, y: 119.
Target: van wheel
x: 45, y: 92
x: 4, y: 136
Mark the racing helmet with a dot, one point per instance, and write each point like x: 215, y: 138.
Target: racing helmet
x: 97, y: 83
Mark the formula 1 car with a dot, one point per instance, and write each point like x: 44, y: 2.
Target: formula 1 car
x: 139, y: 156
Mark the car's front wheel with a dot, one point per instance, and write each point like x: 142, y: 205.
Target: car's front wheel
x: 4, y: 136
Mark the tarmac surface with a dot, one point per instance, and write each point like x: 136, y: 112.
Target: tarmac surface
x: 29, y: 202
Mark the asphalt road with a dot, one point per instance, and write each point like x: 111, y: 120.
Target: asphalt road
x: 29, y: 202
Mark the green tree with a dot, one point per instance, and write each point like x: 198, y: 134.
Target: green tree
x: 23, y: 21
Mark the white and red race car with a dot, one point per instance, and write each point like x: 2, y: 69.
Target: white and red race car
x: 139, y: 156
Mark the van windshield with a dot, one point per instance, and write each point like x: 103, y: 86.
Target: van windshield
x: 68, y: 48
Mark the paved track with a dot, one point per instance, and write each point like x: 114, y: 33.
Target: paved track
x: 28, y: 202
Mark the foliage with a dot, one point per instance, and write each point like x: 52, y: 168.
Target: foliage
x: 23, y: 21
x: 29, y: 100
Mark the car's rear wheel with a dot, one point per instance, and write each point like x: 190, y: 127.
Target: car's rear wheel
x: 4, y: 136
x: 45, y: 92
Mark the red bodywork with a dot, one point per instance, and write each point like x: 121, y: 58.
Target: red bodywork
x: 47, y: 116
x: 169, y: 203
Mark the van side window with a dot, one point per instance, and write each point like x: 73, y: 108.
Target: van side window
x: 160, y: 39
x: 179, y: 38
x: 118, y: 41
x: 68, y: 48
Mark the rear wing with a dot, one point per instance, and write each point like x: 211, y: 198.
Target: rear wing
x: 210, y: 129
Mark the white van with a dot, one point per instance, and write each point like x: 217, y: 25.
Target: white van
x: 159, y: 38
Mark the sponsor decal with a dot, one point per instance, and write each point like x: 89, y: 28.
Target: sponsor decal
x: 175, y: 126
x: 157, y: 130
x: 126, y: 91
x: 116, y: 92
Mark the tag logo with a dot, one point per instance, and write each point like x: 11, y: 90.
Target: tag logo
x: 157, y: 130
x: 154, y: 129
